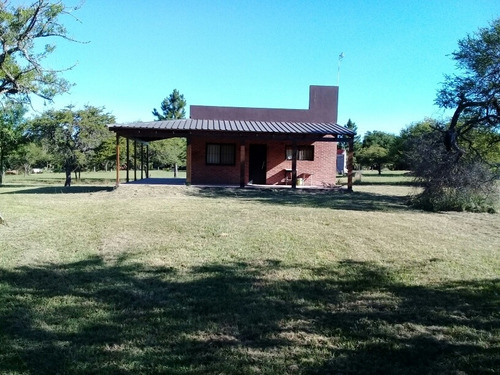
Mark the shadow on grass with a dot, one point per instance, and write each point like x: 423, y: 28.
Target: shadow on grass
x: 335, y: 199
x: 242, y: 318
x: 373, y: 181
x: 58, y: 189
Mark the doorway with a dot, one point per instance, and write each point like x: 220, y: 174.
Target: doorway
x: 257, y: 164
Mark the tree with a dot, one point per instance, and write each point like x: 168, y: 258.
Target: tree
x: 454, y: 164
x: 170, y: 152
x: 22, y: 29
x: 357, y: 139
x: 449, y: 185
x: 374, y: 156
x: 173, y: 107
x: 401, y: 145
x: 475, y: 93
x: 11, y: 132
x: 375, y: 150
x: 74, y: 135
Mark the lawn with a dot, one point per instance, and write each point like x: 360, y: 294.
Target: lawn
x: 188, y: 280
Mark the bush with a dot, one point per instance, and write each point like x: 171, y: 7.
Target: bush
x: 451, y: 183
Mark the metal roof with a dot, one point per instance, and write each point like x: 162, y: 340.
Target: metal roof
x: 236, y: 126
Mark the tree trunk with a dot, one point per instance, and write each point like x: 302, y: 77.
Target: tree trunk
x: 176, y: 169
x: 67, y: 183
x: 1, y: 166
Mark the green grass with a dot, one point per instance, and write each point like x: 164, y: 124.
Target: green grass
x: 100, y: 177
x: 184, y: 280
x: 366, y: 177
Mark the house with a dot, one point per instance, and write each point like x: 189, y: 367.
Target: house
x: 240, y: 145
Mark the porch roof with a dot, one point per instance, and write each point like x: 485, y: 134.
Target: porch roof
x: 154, y: 130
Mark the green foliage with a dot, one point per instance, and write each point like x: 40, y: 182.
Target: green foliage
x: 28, y: 156
x: 22, y: 29
x: 467, y: 184
x: 168, y: 152
x: 401, y: 145
x: 172, y: 107
x: 455, y: 163
x: 379, y: 138
x: 11, y: 132
x: 374, y: 152
x: 73, y: 136
x: 357, y: 139
x: 475, y: 92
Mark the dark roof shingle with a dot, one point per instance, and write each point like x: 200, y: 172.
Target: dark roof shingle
x: 269, y: 127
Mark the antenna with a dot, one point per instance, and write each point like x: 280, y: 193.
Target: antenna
x: 341, y: 57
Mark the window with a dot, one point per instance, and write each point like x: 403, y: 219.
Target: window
x: 303, y: 152
x: 221, y: 154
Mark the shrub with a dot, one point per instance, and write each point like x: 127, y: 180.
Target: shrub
x: 449, y: 182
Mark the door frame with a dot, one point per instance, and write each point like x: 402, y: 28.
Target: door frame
x: 257, y: 154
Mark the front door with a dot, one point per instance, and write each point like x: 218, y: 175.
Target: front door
x: 257, y: 164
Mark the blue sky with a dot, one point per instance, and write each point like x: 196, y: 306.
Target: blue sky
x: 266, y: 54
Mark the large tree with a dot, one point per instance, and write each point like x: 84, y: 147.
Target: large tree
x: 74, y: 135
x: 26, y: 33
x: 375, y: 150
x: 460, y: 175
x: 11, y: 131
x: 474, y: 92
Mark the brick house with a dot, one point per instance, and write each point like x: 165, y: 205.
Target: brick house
x: 240, y: 145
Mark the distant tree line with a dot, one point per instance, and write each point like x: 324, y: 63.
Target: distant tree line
x: 72, y: 140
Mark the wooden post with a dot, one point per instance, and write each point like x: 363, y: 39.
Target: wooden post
x: 147, y: 160
x: 242, y: 163
x: 117, y: 160
x: 128, y: 158
x: 294, y: 164
x: 135, y: 160
x: 142, y: 160
x: 188, y: 161
x: 350, y: 164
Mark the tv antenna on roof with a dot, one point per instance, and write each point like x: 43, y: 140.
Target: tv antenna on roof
x: 341, y: 57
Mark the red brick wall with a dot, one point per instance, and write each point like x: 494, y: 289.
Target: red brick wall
x: 213, y: 174
x: 319, y: 172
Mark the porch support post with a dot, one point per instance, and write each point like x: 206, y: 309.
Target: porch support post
x: 135, y: 160
x: 242, y: 163
x: 128, y: 158
x: 294, y: 164
x: 117, y: 160
x: 147, y: 160
x: 350, y: 163
x: 188, y: 160
x: 142, y: 160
